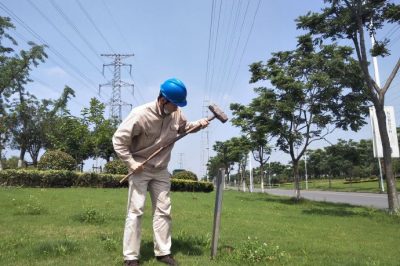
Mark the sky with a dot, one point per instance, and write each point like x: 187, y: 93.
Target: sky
x: 207, y: 44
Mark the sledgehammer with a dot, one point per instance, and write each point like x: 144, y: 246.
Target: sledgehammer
x: 216, y: 113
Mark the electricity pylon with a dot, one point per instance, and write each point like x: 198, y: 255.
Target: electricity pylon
x: 116, y: 83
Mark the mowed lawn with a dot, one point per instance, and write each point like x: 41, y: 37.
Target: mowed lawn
x: 84, y: 226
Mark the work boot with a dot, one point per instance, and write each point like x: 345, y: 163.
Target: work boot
x: 167, y: 259
x: 131, y: 263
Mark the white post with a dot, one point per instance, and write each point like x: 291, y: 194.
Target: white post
x: 305, y: 166
x: 378, y: 81
x: 244, y: 178
x: 269, y: 172
x: 262, y: 181
x: 251, y: 172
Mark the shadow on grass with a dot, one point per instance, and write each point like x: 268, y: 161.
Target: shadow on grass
x: 343, y: 212
x: 316, y: 207
x: 275, y: 199
x: 182, y: 244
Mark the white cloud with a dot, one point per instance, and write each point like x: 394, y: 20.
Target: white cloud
x: 56, y: 72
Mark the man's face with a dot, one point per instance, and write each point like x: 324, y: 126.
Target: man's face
x: 169, y: 107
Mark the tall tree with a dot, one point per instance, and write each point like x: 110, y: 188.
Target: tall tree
x: 22, y: 111
x: 252, y: 124
x: 71, y: 135
x: 349, y: 20
x: 102, y: 129
x: 240, y: 147
x: 228, y: 154
x: 310, y: 98
x: 14, y: 71
x: 42, y: 116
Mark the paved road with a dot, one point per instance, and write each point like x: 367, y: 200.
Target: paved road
x: 364, y: 199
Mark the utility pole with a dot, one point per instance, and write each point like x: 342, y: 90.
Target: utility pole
x: 378, y: 82
x: 116, y: 83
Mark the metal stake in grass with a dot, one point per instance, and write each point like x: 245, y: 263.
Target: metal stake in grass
x: 217, y: 213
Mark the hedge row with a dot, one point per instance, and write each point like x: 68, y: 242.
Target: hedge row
x: 64, y: 178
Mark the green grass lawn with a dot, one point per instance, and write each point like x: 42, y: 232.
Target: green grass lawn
x: 83, y: 226
x: 371, y: 186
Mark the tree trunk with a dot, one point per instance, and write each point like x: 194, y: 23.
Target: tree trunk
x: 1, y: 163
x: 243, y: 177
x: 296, y: 179
x: 393, y: 200
x: 21, y: 158
x: 34, y: 155
x: 35, y: 160
x: 262, y: 176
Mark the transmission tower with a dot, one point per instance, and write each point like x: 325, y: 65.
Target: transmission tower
x: 180, y: 160
x: 205, y: 150
x: 116, y: 83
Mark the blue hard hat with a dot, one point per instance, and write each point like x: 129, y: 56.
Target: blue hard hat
x: 174, y: 91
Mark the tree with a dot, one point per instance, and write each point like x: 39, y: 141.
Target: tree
x: 102, y: 129
x: 213, y: 166
x: 41, y: 120
x: 70, y: 135
x: 348, y: 20
x: 14, y: 72
x: 317, y: 162
x: 240, y: 147
x: 310, y: 99
x: 22, y: 111
x: 251, y: 122
x: 225, y: 155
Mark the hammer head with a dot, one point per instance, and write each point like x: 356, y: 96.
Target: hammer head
x: 218, y: 113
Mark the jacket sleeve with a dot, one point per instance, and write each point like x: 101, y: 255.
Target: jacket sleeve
x: 184, y: 125
x: 122, y: 140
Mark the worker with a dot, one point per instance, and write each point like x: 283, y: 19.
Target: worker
x: 147, y: 128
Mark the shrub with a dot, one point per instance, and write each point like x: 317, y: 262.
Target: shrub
x: 185, y: 175
x: 11, y: 163
x: 56, y: 160
x: 63, y: 178
x: 193, y: 186
x: 98, y: 180
x: 116, y: 167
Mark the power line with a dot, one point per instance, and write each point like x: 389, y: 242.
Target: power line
x: 36, y: 79
x: 116, y: 25
x: 94, y: 25
x: 215, y: 51
x: 392, y: 31
x: 41, y: 40
x: 64, y: 36
x: 209, y: 51
x: 231, y: 37
x: 75, y: 28
x: 245, y: 47
x: 235, y: 51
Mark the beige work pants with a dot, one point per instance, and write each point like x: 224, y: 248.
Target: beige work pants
x: 158, y: 183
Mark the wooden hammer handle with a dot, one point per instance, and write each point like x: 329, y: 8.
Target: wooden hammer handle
x: 165, y: 146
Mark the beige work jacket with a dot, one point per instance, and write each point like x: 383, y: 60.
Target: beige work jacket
x: 144, y: 131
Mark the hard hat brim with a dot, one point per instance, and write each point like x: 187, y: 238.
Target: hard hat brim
x: 181, y: 104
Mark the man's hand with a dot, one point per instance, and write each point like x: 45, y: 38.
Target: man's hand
x: 203, y: 123
x: 136, y: 168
